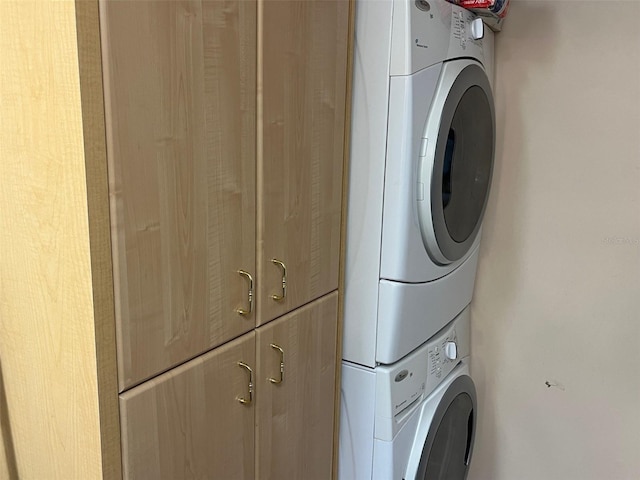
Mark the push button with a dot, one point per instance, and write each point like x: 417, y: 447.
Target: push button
x: 423, y: 147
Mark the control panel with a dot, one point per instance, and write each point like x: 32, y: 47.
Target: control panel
x: 442, y: 357
x: 427, y: 32
x: 466, y: 28
x: 402, y: 386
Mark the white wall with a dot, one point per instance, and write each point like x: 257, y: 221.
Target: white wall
x: 557, y: 297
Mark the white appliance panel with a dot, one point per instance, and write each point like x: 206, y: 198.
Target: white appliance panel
x: 404, y: 256
x: 366, y: 178
x: 401, y: 387
x: 377, y: 434
x: 357, y: 411
x: 410, y: 313
x: 421, y: 39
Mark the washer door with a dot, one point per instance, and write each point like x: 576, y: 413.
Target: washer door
x: 458, y: 161
x: 446, y: 454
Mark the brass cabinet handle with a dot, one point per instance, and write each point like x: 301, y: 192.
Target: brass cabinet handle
x: 242, y: 400
x: 242, y: 311
x: 279, y: 298
x: 273, y: 380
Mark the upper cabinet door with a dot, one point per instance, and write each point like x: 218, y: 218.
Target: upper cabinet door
x: 302, y: 88
x: 296, y: 388
x: 179, y: 81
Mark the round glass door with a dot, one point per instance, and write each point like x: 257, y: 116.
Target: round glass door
x: 447, y: 450
x: 463, y: 163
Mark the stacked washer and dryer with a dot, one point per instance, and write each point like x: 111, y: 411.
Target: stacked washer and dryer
x: 423, y: 137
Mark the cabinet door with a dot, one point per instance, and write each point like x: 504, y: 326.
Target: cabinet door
x: 294, y: 437
x: 189, y: 423
x: 179, y: 81
x: 302, y: 81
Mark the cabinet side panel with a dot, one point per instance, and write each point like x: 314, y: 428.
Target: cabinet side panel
x: 343, y: 230
x: 188, y: 423
x: 49, y: 411
x: 295, y: 418
x: 90, y: 69
x: 302, y: 90
x: 180, y: 107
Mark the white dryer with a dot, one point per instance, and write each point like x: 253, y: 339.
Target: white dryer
x: 421, y: 163
x: 414, y: 420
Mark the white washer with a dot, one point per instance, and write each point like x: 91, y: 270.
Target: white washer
x: 422, y: 422
x: 421, y: 163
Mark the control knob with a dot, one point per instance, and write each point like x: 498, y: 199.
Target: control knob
x: 451, y: 350
x: 477, y: 29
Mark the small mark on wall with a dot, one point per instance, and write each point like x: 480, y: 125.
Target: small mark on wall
x: 554, y: 384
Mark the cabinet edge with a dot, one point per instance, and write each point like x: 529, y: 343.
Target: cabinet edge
x: 343, y: 232
x: 93, y: 124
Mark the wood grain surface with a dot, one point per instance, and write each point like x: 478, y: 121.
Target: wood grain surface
x: 302, y: 64
x: 95, y: 152
x: 50, y: 409
x: 294, y: 419
x: 188, y: 423
x: 180, y: 108
x: 343, y: 232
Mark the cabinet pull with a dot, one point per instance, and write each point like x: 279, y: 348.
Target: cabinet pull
x: 242, y: 311
x: 279, y: 298
x: 242, y: 400
x: 273, y: 380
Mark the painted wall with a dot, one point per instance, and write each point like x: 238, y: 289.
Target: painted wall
x: 556, y: 312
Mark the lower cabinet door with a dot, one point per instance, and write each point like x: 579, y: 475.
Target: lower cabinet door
x: 295, y: 409
x: 195, y: 421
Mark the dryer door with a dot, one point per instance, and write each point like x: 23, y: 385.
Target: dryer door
x: 458, y: 161
x: 448, y: 445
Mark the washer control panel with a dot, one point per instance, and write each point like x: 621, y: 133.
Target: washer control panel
x: 442, y: 357
x: 402, y: 386
x: 423, y: 35
x: 465, y: 29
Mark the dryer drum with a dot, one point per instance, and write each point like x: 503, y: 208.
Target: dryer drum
x: 463, y: 163
x: 448, y: 447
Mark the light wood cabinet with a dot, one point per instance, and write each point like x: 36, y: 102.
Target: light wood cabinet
x: 180, y: 91
x: 180, y: 94
x: 222, y: 116
x: 294, y: 417
x: 188, y: 422
x: 193, y: 145
x: 301, y: 128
